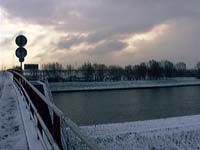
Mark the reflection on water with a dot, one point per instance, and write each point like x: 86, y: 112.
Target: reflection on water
x: 98, y: 107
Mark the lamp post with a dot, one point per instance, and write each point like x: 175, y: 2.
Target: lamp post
x: 21, y: 51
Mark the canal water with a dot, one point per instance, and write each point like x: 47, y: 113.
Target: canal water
x: 98, y: 107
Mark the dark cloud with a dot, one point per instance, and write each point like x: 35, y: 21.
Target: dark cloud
x: 116, y: 16
x: 107, y: 47
x: 107, y: 22
x: 180, y: 43
x: 33, y: 11
x: 67, y: 42
x: 98, y: 37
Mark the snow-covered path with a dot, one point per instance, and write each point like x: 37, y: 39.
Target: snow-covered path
x: 17, y: 131
x: 12, y: 134
x: 178, y: 133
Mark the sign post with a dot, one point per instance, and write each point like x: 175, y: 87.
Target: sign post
x: 21, y: 52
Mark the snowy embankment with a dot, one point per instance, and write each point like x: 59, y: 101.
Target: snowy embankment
x: 178, y: 133
x: 89, y: 86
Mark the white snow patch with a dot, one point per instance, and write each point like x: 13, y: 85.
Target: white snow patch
x: 178, y: 133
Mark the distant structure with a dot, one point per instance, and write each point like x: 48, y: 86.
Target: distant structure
x: 31, y: 71
x: 31, y: 67
x: 181, y: 66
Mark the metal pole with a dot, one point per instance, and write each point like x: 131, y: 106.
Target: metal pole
x: 21, y: 68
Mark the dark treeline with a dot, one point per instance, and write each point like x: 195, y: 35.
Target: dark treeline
x: 151, y: 70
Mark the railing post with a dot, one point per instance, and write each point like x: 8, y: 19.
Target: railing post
x: 57, y: 130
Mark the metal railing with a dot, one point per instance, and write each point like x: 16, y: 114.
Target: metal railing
x: 60, y: 131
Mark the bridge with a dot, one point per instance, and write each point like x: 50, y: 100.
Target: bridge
x: 53, y: 129
x: 29, y: 120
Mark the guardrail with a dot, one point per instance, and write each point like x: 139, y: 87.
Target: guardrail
x: 60, y: 131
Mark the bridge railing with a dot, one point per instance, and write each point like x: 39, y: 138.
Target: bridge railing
x: 60, y: 131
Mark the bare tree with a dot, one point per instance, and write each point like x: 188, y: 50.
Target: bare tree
x: 115, y: 72
x: 128, y: 72
x: 155, y: 70
x: 198, y: 70
x: 53, y: 71
x: 99, y: 71
x: 181, y: 69
x: 88, y: 71
x: 70, y: 69
x: 169, y: 69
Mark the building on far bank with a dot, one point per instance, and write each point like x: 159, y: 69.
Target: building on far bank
x: 31, y: 71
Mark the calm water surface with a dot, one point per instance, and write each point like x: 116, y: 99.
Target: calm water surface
x: 98, y: 107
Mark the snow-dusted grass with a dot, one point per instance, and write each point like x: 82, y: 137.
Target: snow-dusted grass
x: 179, y: 133
x: 73, y: 86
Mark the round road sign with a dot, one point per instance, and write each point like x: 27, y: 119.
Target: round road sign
x: 21, y: 40
x: 21, y: 52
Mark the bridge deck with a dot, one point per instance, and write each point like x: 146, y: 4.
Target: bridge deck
x: 14, y: 118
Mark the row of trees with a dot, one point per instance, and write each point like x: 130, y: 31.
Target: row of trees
x: 198, y: 70
x: 100, y: 72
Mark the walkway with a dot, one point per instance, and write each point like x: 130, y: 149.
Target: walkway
x: 14, y: 118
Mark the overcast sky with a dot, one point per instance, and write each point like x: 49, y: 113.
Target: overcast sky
x: 103, y: 31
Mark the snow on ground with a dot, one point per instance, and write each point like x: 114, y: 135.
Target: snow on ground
x: 73, y: 86
x: 12, y: 134
x: 17, y: 131
x: 178, y: 133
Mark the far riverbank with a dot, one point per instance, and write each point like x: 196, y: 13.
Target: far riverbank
x: 122, y: 85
